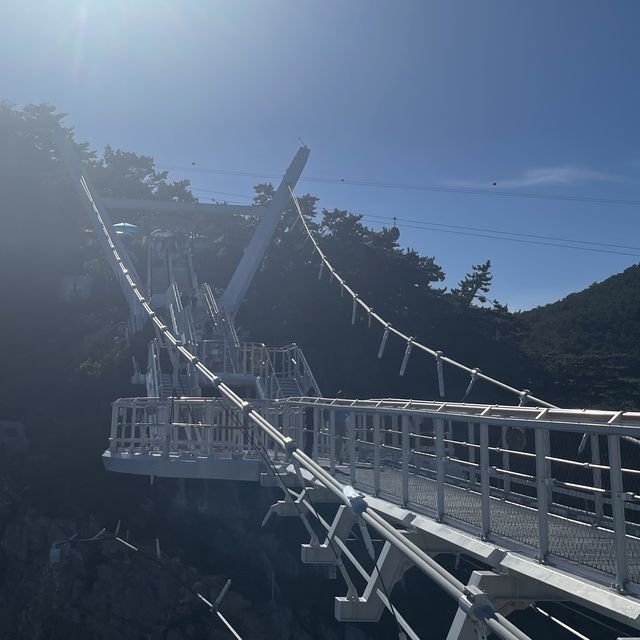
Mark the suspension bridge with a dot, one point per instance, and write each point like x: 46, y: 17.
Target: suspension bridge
x: 492, y: 483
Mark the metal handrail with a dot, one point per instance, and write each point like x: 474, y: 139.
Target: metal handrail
x: 573, y: 420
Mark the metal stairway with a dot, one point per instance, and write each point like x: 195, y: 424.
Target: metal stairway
x: 290, y: 387
x: 180, y: 386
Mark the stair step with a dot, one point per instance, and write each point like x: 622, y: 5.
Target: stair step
x: 289, y: 387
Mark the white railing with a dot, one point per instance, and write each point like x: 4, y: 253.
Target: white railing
x: 271, y: 364
x: 190, y: 329
x: 516, y: 475
x: 181, y: 318
x: 187, y: 427
x: 219, y: 354
x: 306, y: 375
x: 219, y: 316
x: 230, y: 327
x: 209, y: 299
x: 255, y: 360
x: 512, y: 475
x: 289, y: 362
x: 175, y: 307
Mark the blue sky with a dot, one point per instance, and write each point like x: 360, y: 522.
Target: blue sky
x: 538, y: 97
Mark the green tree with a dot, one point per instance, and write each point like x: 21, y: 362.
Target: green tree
x: 474, y: 285
x: 124, y: 174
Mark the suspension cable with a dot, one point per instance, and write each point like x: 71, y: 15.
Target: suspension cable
x: 557, y: 621
x: 523, y: 394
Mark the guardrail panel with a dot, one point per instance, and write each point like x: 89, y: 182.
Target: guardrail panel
x: 462, y: 497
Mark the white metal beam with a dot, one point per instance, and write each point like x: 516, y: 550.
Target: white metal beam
x: 170, y: 206
x: 246, y: 269
x: 507, y: 595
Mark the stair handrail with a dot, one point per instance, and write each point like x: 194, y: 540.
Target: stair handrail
x: 181, y: 317
x: 266, y: 370
x: 271, y: 375
x: 191, y: 327
x: 230, y: 328
x: 307, y: 376
x: 174, y: 321
x: 175, y: 307
x: 212, y: 305
x: 224, y: 324
x: 153, y: 369
x: 301, y: 371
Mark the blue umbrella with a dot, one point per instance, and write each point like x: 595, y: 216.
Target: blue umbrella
x: 125, y: 227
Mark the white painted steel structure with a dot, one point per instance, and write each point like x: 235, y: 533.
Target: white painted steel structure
x: 492, y: 483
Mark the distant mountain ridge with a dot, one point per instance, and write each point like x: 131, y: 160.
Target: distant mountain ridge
x: 589, y: 341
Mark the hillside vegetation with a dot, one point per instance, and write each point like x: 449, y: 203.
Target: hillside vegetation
x: 589, y: 342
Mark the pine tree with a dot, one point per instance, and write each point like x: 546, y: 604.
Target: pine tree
x: 474, y: 285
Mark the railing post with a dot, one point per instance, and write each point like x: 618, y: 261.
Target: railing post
x: 274, y: 415
x: 285, y: 420
x: 316, y: 432
x: 471, y: 439
x: 132, y: 442
x: 299, y: 426
x: 450, y: 447
x: 206, y: 421
x: 406, y: 450
x: 351, y: 430
x: 506, y: 480
x: 247, y: 424
x: 542, y: 489
x: 332, y: 442
x: 617, y: 505
x: 163, y: 415
x: 597, y: 477
x: 376, y: 453
x: 113, y: 444
x: 485, y: 483
x: 440, y: 462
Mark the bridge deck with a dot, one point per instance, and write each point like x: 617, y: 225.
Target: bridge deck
x: 584, y: 544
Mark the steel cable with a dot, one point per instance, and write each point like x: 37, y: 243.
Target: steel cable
x: 523, y: 394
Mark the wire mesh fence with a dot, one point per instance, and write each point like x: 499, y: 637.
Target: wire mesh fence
x: 543, y: 489
x: 553, y: 492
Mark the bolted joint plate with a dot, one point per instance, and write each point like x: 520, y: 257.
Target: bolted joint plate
x: 357, y: 610
x: 481, y: 607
